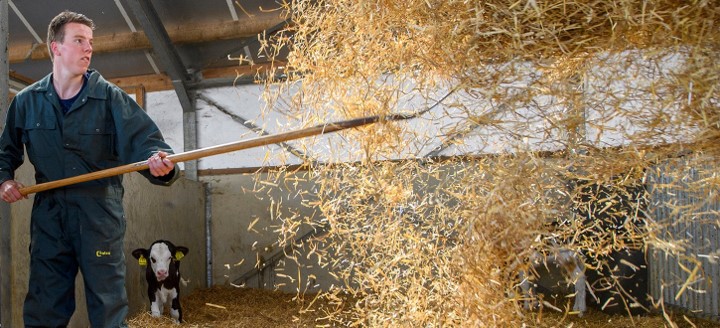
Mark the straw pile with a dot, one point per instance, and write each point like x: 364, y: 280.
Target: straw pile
x: 561, y: 110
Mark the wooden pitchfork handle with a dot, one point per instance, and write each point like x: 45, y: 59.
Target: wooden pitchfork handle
x: 219, y: 149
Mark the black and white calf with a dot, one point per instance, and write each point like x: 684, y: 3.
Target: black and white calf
x: 572, y: 268
x: 163, y: 276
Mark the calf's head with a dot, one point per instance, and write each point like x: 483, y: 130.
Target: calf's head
x: 162, y: 256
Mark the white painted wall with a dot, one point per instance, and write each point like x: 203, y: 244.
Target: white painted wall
x: 619, y: 98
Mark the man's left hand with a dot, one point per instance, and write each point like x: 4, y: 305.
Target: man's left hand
x: 159, y: 164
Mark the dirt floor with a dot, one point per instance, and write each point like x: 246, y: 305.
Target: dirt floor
x: 240, y: 307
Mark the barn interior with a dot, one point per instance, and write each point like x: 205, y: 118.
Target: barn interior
x: 491, y: 134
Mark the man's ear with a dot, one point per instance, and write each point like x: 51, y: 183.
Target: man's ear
x: 180, y: 252
x: 53, y: 48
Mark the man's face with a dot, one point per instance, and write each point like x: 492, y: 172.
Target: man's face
x: 75, y: 51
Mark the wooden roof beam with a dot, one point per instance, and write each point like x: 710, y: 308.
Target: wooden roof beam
x: 139, y: 41
x: 226, y: 76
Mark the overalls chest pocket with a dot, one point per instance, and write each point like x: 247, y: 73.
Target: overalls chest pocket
x: 98, y: 142
x: 41, y: 138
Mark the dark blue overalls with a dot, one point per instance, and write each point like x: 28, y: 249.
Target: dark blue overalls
x: 81, y: 226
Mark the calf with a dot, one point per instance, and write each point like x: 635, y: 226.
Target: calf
x: 163, y: 276
x: 573, y: 269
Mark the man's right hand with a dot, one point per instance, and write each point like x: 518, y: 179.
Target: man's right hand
x: 10, y: 191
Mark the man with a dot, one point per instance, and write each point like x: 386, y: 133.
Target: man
x: 73, y: 122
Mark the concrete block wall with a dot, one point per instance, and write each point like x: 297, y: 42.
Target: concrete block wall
x: 245, y: 230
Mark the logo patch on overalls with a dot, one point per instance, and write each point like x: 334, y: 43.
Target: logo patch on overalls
x: 102, y: 253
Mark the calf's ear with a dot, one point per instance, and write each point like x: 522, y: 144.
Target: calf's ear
x: 140, y: 254
x: 180, y: 252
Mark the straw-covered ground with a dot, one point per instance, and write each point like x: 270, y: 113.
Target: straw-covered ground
x: 240, y: 307
x: 237, y: 307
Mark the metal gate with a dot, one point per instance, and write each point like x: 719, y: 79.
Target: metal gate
x: 684, y: 265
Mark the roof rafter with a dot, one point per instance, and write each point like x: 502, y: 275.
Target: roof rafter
x: 168, y: 58
x: 140, y: 40
x: 164, y: 50
x: 212, y: 77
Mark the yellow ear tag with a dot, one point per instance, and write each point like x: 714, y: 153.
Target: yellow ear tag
x: 179, y: 255
x: 142, y: 261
